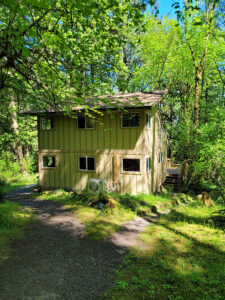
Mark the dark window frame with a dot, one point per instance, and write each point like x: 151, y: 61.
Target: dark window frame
x: 46, y: 167
x: 86, y: 158
x: 131, y: 113
x: 131, y: 171
x: 47, y: 118
x: 85, y: 123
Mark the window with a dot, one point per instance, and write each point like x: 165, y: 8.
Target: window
x: 86, y: 163
x: 160, y: 157
x: 160, y: 133
x: 130, y: 120
x: 46, y: 123
x: 85, y: 122
x: 48, y: 161
x: 148, y: 164
x: 148, y: 120
x: 131, y: 165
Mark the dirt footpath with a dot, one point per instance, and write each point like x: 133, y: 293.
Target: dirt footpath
x: 55, y: 260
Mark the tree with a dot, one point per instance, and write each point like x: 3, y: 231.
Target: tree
x: 62, y: 49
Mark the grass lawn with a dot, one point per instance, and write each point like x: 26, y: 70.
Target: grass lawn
x: 183, y: 259
x: 15, y: 182
x: 13, y: 219
x: 101, y: 224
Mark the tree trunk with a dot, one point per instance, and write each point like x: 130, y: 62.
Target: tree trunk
x: 16, y: 145
x: 197, y: 85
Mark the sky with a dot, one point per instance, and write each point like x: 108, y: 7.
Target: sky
x: 165, y: 7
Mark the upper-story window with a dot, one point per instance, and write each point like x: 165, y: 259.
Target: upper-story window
x: 148, y: 164
x: 160, y: 133
x: 148, y: 120
x: 130, y: 120
x: 161, y: 157
x: 46, y: 123
x: 84, y: 122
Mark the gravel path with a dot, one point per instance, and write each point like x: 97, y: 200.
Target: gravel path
x: 56, y: 260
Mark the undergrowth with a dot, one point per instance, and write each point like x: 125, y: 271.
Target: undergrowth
x: 182, y: 258
x: 13, y: 219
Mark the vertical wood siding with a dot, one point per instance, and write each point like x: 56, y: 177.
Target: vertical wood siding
x: 67, y: 143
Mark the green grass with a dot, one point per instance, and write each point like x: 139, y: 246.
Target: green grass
x: 14, y: 182
x: 183, y: 258
x: 99, y: 224
x: 13, y: 219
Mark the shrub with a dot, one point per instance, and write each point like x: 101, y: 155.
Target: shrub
x: 3, y: 182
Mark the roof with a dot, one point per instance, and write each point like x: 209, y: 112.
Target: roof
x: 128, y: 100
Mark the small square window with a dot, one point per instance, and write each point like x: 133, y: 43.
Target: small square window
x: 131, y: 120
x: 148, y: 164
x: 48, y: 161
x: 46, y: 123
x: 161, y: 157
x: 85, y: 122
x: 148, y: 120
x: 87, y: 163
x: 89, y: 123
x: 160, y: 133
x: 131, y: 165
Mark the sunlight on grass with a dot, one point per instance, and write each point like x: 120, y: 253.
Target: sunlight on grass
x: 13, y: 220
x: 99, y: 224
x: 19, y: 181
x: 183, y: 258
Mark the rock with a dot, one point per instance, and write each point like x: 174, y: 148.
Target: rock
x: 206, y: 199
x: 37, y: 189
x: 199, y: 197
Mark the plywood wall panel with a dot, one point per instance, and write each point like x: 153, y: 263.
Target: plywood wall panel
x: 67, y: 142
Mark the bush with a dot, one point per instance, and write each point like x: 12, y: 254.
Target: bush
x: 3, y: 182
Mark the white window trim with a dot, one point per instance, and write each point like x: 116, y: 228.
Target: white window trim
x: 150, y: 117
x: 135, y: 112
x: 42, y: 166
x: 46, y: 118
x: 85, y: 120
x: 86, y: 170
x: 131, y: 172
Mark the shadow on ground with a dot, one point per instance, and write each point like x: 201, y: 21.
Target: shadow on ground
x: 56, y: 260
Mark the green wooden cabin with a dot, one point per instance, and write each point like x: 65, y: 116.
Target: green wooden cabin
x: 123, y: 143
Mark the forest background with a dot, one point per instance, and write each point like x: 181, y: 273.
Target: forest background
x: 65, y: 50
